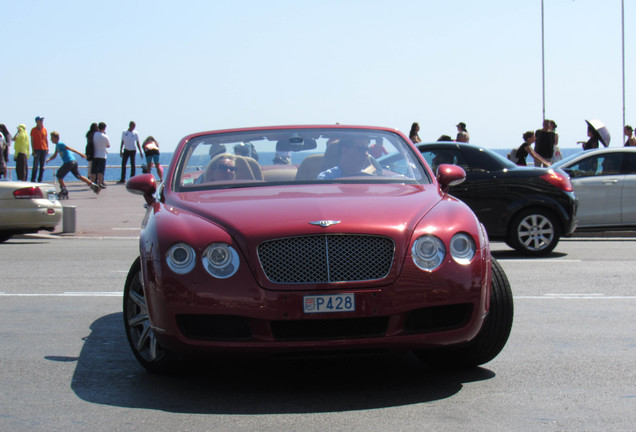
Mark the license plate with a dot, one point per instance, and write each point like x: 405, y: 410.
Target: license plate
x: 329, y: 303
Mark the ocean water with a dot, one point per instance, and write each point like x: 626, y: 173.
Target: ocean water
x: 113, y: 165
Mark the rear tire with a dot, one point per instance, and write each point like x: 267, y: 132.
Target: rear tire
x: 493, y: 334
x: 140, y: 335
x: 534, y: 232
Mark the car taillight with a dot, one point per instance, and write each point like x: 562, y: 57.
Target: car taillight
x: 28, y: 193
x: 562, y: 181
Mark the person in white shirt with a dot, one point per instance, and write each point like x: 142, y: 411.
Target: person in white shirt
x: 129, y: 138
x: 101, y: 143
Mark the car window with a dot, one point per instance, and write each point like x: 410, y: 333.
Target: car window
x: 279, y: 156
x: 437, y: 156
x: 629, y: 163
x: 482, y: 160
x: 597, y: 165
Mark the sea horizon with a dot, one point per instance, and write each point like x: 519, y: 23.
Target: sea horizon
x: 113, y: 165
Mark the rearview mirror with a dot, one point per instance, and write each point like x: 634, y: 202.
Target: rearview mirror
x: 294, y: 144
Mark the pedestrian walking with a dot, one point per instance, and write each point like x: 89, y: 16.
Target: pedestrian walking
x: 545, y: 141
x: 151, y: 150
x: 101, y: 144
x: 592, y: 142
x: 526, y: 149
x: 40, y: 145
x: 21, y: 151
x: 69, y: 164
x: 462, y: 133
x: 630, y: 141
x: 414, y: 134
x: 127, y: 150
x: 5, y: 143
x: 90, y: 149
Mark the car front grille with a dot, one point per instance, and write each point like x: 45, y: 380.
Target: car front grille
x: 326, y: 258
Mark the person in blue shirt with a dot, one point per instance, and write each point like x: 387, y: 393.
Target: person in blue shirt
x: 69, y: 165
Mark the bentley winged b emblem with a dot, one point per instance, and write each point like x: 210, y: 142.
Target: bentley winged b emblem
x: 325, y: 223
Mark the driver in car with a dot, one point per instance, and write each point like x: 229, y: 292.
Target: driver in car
x: 354, y: 159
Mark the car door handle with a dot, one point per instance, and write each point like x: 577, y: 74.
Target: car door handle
x: 610, y: 181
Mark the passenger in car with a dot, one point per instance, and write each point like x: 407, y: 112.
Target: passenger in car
x: 246, y: 149
x: 221, y: 168
x: 443, y: 157
x: 354, y: 158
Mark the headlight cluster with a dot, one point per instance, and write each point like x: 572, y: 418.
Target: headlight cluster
x: 428, y: 251
x: 219, y: 259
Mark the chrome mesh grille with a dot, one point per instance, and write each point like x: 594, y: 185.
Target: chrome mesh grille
x: 326, y: 258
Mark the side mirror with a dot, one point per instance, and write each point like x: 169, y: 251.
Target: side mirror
x: 143, y: 184
x: 450, y: 175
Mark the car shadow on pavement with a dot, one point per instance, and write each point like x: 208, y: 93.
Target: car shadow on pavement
x: 107, y: 373
x: 512, y: 255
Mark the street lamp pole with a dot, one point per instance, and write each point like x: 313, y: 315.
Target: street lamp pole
x: 542, y: 61
x: 623, y: 37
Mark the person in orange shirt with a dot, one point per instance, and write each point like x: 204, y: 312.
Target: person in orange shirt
x: 40, y: 146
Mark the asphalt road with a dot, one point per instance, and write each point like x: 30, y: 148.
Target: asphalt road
x: 65, y: 364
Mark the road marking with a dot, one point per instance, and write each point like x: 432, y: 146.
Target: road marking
x: 539, y: 260
x: 120, y: 293
x: 574, y: 297
x: 64, y: 294
x: 596, y: 239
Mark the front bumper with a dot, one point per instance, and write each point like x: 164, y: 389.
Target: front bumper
x: 239, y: 316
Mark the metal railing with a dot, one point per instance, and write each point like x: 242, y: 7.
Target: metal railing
x: 82, y: 168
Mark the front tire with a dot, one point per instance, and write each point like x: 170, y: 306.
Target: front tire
x: 140, y: 335
x: 534, y: 232
x: 493, y: 334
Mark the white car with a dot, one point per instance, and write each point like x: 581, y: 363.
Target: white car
x: 604, y: 181
x: 27, y: 208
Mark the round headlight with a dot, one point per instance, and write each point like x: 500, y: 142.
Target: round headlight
x: 462, y: 248
x: 220, y: 260
x: 181, y: 258
x: 428, y: 252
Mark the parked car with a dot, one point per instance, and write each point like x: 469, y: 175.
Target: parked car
x: 27, y: 208
x: 328, y: 250
x: 604, y: 182
x: 528, y: 208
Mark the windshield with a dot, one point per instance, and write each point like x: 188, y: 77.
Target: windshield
x: 287, y: 156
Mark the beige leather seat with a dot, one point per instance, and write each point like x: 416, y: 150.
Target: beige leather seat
x: 309, y: 168
x: 247, y: 168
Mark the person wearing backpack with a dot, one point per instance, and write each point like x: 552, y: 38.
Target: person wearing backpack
x: 526, y: 149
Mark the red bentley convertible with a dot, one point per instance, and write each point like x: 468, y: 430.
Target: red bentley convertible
x: 306, y: 239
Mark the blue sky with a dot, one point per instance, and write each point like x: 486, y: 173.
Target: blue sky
x: 182, y: 67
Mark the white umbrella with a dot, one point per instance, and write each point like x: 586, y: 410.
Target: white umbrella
x: 601, y: 131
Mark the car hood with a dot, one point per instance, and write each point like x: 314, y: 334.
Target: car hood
x: 252, y: 215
